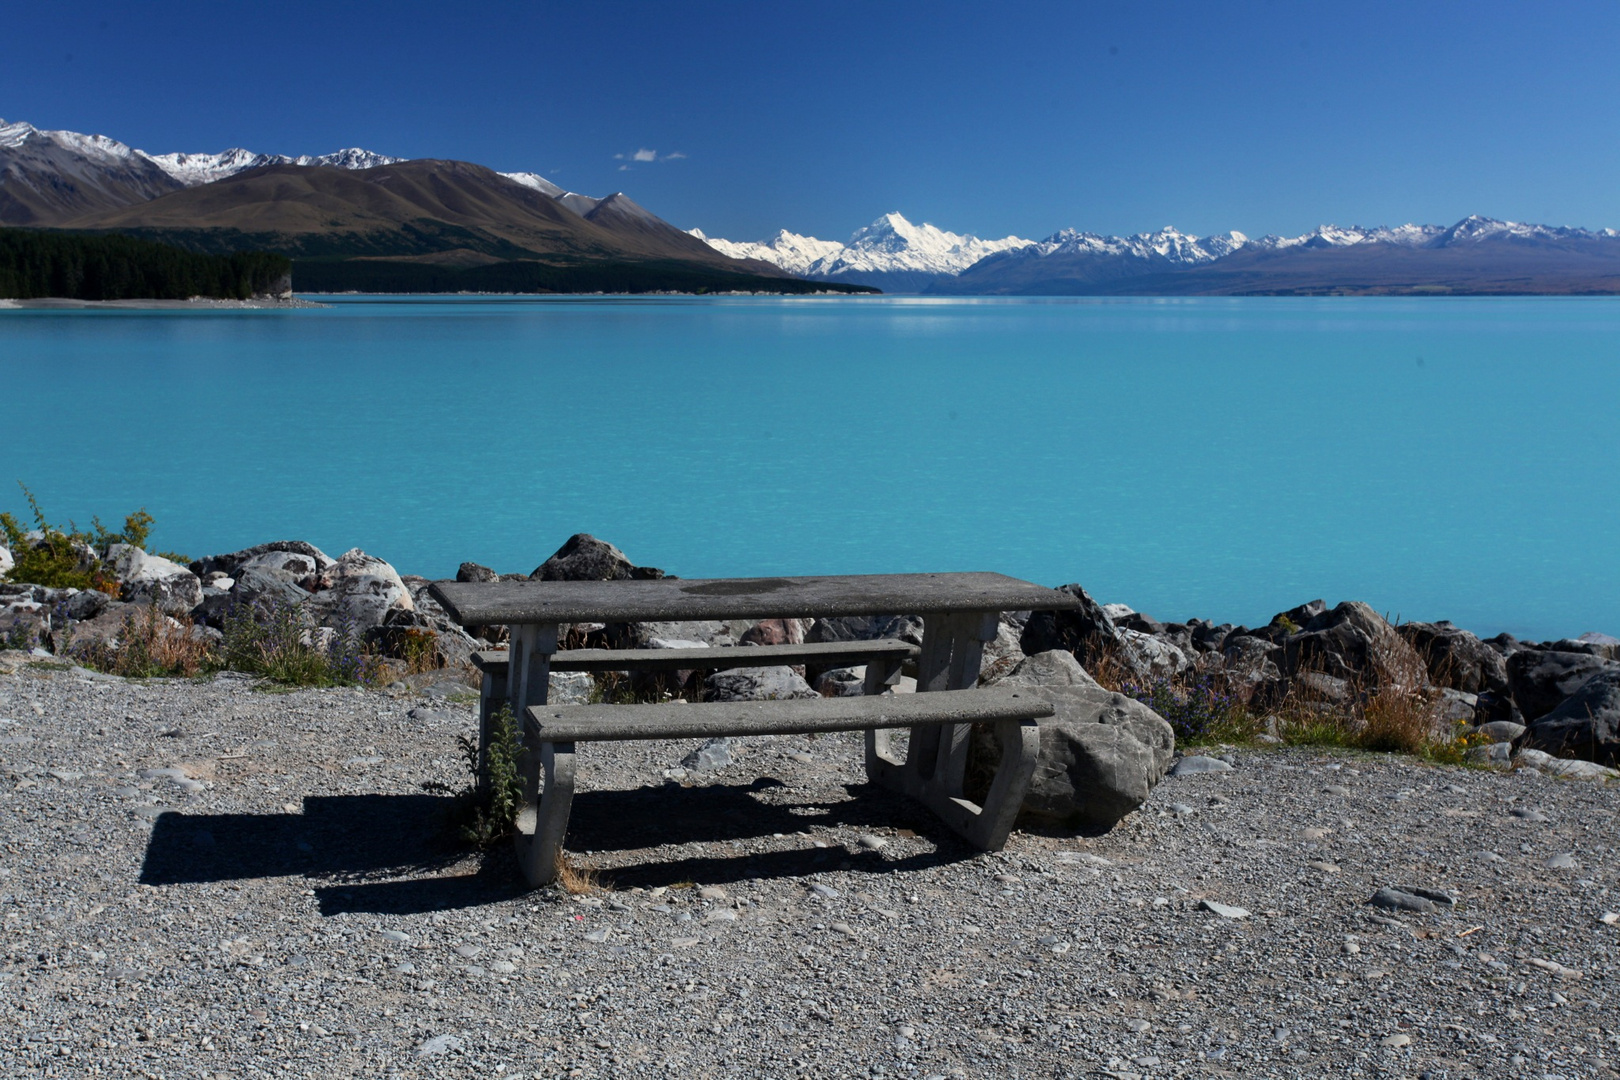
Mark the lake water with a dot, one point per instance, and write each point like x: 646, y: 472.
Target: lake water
x: 1455, y: 458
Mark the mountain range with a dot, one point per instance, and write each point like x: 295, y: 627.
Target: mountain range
x: 360, y: 220
x: 1476, y: 255
x: 356, y: 219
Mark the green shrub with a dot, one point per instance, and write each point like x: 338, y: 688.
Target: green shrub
x: 65, y: 558
x: 272, y: 640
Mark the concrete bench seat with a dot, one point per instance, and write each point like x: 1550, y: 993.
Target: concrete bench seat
x: 824, y: 654
x: 550, y: 733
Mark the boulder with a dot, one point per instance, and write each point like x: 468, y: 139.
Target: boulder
x: 6, y: 561
x: 362, y: 592
x: 1251, y: 668
x: 1354, y: 643
x: 842, y: 682
x: 101, y: 631
x: 1541, y: 679
x: 774, y: 632
x: 1586, y: 725
x: 1101, y: 753
x: 1087, y: 633
x: 23, y: 625
x: 291, y: 560
x: 1568, y: 768
x: 585, y: 558
x: 756, y: 684
x: 1499, y: 731
x: 1455, y: 658
x: 867, y: 628
x: 153, y: 579
x: 1005, y: 653
x: 1153, y: 656
x: 471, y: 571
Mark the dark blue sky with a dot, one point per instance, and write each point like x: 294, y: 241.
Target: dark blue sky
x: 986, y: 118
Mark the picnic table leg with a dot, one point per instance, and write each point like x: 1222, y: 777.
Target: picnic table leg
x: 491, y: 697
x: 542, y: 823
x: 953, y: 648
x: 881, y: 675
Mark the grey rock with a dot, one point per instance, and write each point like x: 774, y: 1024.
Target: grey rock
x: 1354, y: 643
x: 1225, y: 911
x: 362, y: 591
x: 1542, y: 679
x: 293, y: 561
x: 867, y: 628
x: 1436, y: 896
x: 1087, y: 633
x: 826, y: 892
x: 757, y: 684
x: 153, y: 579
x: 713, y: 755
x: 585, y: 558
x: 1501, y: 730
x: 842, y: 682
x: 1563, y: 861
x: 1251, y: 667
x: 1198, y: 763
x: 1495, y: 756
x: 1568, y: 768
x: 1585, y: 725
x: 1528, y: 813
x: 438, y: 1046
x: 471, y: 571
x: 1396, y: 900
x: 1101, y: 753
x: 1455, y: 658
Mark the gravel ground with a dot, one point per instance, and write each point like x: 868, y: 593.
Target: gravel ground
x: 281, y: 900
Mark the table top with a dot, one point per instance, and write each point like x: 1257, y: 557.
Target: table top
x: 685, y: 600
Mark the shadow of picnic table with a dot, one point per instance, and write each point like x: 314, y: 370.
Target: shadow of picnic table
x: 398, y: 854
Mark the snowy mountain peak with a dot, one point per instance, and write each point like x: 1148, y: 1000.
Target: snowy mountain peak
x: 19, y: 133
x: 535, y: 181
x: 889, y: 245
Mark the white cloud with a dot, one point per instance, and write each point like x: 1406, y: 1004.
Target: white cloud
x: 644, y: 156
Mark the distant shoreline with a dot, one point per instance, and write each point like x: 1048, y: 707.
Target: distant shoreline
x: 64, y: 303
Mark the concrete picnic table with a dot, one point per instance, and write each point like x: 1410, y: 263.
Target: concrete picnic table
x: 960, y: 613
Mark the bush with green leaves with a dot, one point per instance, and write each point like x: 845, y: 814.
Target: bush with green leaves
x: 66, y: 558
x: 277, y: 640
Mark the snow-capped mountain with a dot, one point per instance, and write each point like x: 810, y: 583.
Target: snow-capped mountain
x: 188, y: 169
x: 1478, y: 254
x: 792, y: 252
x: 194, y: 169
x: 890, y: 253
x: 583, y: 205
x: 101, y: 174
x: 51, y: 177
x: 1168, y: 243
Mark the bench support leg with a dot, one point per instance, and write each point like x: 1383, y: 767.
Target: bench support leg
x: 881, y: 675
x: 491, y: 696
x: 985, y: 827
x: 542, y: 823
x: 935, y: 768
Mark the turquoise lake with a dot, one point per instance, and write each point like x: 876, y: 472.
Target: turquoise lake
x: 1227, y: 459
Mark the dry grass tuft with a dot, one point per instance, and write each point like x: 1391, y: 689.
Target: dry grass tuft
x: 578, y: 879
x: 151, y: 645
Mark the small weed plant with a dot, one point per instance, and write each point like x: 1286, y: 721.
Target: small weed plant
x: 275, y: 640
x: 486, y: 810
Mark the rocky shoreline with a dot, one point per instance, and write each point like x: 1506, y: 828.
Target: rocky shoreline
x: 1558, y: 699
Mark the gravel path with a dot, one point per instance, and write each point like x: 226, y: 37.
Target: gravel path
x: 209, y: 879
